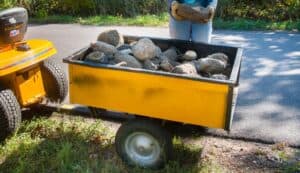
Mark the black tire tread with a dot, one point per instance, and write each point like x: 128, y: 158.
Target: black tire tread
x: 10, y: 113
x: 57, y: 87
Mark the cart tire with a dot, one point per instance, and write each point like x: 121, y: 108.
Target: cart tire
x: 10, y: 113
x: 55, y: 81
x: 144, y: 144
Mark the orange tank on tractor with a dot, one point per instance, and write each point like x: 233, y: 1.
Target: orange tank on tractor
x: 27, y: 75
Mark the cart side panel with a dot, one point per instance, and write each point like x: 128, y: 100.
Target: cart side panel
x: 157, y: 96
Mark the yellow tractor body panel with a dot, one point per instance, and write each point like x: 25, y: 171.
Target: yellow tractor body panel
x: 20, y: 71
x: 30, y: 86
x: 13, y: 60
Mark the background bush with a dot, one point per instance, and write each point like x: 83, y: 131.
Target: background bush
x: 271, y: 10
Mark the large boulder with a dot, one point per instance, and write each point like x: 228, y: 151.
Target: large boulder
x: 209, y: 65
x: 144, y: 49
x: 112, y: 37
x: 107, y: 49
x: 130, y: 60
x: 219, y: 56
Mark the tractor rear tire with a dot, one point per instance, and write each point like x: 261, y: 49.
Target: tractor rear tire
x: 55, y: 81
x: 10, y: 113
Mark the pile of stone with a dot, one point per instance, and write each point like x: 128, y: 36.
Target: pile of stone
x: 144, y: 54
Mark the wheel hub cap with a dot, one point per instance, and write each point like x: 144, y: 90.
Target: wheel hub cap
x: 142, y: 148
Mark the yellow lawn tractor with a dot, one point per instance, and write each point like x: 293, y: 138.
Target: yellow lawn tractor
x: 27, y: 75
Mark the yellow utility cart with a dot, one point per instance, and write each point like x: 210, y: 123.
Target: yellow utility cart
x: 26, y: 76
x: 155, y: 97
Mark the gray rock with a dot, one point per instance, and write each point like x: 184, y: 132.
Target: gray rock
x: 189, y: 55
x: 112, y: 62
x: 171, y: 53
x: 112, y: 37
x: 144, y: 49
x: 107, y: 49
x: 124, y: 47
x: 187, y: 68
x: 219, y: 76
x: 166, y: 65
x: 149, y: 65
x: 98, y: 57
x: 156, y: 60
x: 209, y: 65
x: 158, y: 51
x: 219, y: 56
x: 227, y: 70
x: 126, y: 51
x: 130, y: 60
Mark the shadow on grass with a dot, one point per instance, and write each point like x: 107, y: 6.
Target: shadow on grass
x: 74, y: 145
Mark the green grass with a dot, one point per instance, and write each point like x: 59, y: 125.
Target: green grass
x: 162, y: 20
x: 75, y: 145
x: 142, y: 20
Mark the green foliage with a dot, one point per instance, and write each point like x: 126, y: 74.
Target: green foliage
x: 7, y: 4
x: 42, y: 8
x: 271, y: 10
x: 261, y: 10
x: 163, y: 19
x: 129, y: 7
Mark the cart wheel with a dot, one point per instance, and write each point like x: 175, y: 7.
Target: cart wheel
x: 144, y: 144
x: 10, y: 113
x: 55, y: 81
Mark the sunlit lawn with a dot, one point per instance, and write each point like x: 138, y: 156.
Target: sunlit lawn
x: 76, y: 145
x: 162, y: 21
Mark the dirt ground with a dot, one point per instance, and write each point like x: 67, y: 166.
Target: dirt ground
x: 242, y: 156
x: 236, y: 156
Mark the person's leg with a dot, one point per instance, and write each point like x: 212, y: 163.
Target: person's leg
x: 180, y: 29
x: 201, y: 32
